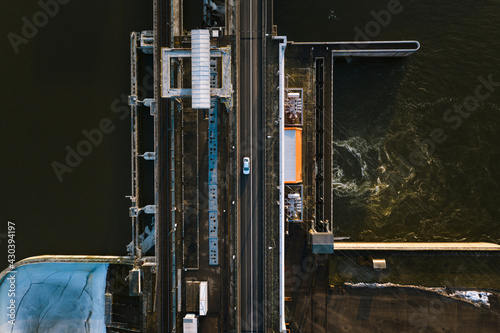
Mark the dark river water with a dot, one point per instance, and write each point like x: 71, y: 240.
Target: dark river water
x: 73, y: 72
x: 67, y: 77
x: 417, y: 154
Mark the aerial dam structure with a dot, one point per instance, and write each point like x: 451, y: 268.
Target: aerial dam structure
x: 208, y: 248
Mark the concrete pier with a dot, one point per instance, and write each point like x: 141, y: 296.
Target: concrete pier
x: 415, y: 246
x: 69, y: 259
x: 402, y: 48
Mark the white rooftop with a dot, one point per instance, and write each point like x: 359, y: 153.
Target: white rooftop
x: 200, y: 69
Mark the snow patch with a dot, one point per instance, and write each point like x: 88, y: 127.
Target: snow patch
x: 476, y: 298
x: 56, y: 297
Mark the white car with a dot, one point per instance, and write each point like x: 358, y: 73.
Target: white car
x: 246, y: 165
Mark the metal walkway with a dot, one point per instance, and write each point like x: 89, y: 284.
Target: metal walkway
x: 213, y: 238
x: 415, y: 246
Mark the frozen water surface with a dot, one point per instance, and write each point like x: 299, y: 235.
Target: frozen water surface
x: 55, y: 297
x: 476, y: 298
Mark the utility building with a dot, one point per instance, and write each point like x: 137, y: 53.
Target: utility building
x: 293, y: 155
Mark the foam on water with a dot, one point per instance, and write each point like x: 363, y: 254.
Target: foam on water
x: 356, y: 179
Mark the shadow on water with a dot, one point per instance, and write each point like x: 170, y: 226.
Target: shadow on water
x: 66, y: 79
x: 193, y: 14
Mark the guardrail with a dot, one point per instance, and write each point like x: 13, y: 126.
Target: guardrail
x: 69, y: 259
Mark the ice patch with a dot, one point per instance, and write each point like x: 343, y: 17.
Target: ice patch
x: 56, y: 297
x: 476, y: 298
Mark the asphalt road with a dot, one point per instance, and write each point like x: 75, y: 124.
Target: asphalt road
x: 251, y: 291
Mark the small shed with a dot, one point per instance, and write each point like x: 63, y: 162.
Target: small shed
x: 379, y: 264
x: 321, y: 242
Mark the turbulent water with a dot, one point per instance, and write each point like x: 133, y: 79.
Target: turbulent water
x: 407, y: 166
